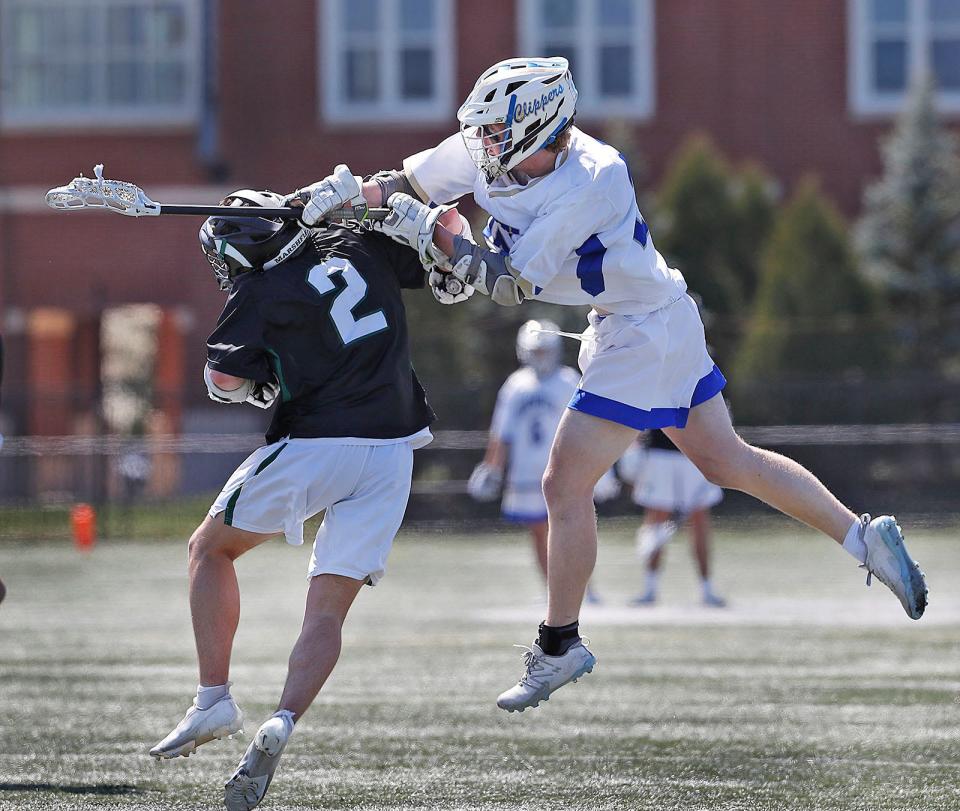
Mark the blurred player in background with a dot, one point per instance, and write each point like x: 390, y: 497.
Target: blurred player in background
x: 529, y: 407
x: 565, y: 228
x: 314, y: 320
x: 672, y: 492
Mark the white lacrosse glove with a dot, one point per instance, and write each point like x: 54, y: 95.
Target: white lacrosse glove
x: 339, y: 190
x: 218, y: 395
x: 607, y: 489
x: 411, y: 223
x: 447, y: 288
x: 261, y: 395
x: 484, y: 483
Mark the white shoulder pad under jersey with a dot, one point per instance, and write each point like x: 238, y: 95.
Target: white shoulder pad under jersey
x: 442, y: 174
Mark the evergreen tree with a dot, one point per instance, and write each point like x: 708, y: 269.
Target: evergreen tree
x: 909, y: 234
x: 693, y: 221
x: 755, y: 203
x: 813, y: 312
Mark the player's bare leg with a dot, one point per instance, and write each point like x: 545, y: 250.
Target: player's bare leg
x: 700, y: 532
x: 651, y: 534
x: 312, y: 660
x: 215, y: 608
x: 699, y: 521
x: 709, y: 441
x: 215, y: 593
x: 584, y: 448
x: 316, y: 652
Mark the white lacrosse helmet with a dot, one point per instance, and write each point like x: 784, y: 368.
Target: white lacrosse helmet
x: 539, y: 346
x: 533, y: 99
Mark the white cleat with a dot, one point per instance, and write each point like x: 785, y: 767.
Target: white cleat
x: 889, y: 561
x: 198, y: 727
x: 544, y: 674
x: 250, y: 782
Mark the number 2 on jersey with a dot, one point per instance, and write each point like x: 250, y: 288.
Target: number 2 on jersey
x: 348, y: 326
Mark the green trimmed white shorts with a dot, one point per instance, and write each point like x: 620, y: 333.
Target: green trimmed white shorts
x: 362, y: 484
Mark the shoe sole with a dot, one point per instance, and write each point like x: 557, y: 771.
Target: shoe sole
x: 910, y: 572
x: 188, y: 748
x: 242, y: 777
x: 587, y: 668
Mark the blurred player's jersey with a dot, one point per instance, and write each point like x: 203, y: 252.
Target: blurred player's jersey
x: 330, y: 324
x: 526, y: 417
x: 576, y: 234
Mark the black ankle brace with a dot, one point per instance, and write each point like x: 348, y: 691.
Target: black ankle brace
x: 556, y: 641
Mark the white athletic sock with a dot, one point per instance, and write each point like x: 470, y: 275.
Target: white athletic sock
x: 651, y: 582
x: 854, y: 545
x: 208, y: 696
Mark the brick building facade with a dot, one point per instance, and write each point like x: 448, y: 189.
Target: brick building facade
x: 274, y: 94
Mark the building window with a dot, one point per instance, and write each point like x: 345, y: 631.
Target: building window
x: 609, y: 43
x: 69, y: 63
x: 386, y: 60
x: 893, y: 43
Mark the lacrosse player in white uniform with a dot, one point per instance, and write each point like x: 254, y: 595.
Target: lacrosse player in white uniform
x: 529, y: 407
x: 672, y: 492
x: 564, y: 228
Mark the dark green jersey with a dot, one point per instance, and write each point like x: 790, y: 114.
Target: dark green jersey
x: 330, y: 325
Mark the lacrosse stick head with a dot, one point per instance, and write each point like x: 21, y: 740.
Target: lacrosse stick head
x: 97, y: 192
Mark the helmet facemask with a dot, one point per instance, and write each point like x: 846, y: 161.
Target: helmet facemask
x: 516, y: 108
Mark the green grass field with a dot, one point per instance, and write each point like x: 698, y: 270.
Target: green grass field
x: 809, y: 692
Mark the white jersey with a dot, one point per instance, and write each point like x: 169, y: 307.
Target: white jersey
x: 575, y: 234
x: 526, y: 417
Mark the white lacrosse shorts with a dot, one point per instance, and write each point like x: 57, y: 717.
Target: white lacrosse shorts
x: 646, y: 371
x: 363, y: 488
x: 523, y: 503
x: 670, y: 482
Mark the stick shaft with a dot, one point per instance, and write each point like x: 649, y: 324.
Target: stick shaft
x: 283, y: 213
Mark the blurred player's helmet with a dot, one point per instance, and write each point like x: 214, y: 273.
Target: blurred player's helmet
x: 539, y: 346
x: 235, y: 245
x: 533, y: 101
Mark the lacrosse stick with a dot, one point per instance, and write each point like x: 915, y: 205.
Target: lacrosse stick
x: 131, y: 201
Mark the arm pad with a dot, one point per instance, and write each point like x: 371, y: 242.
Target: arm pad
x: 391, y: 181
x: 237, y: 395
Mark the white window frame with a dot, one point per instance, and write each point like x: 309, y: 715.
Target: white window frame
x: 641, y: 104
x: 864, y: 99
x: 390, y: 107
x: 108, y: 116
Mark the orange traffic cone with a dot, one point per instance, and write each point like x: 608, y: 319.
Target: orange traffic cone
x: 83, y: 520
